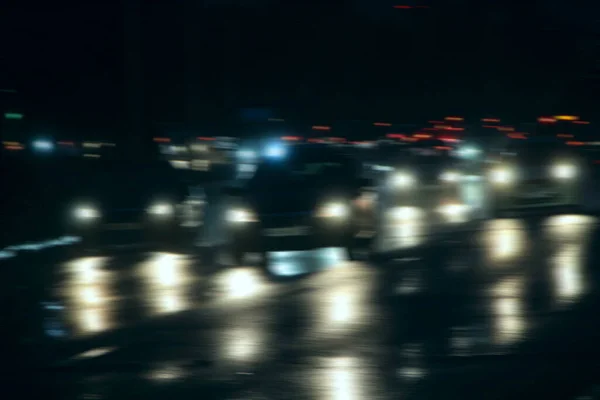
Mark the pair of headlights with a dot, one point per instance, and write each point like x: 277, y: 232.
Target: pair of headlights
x: 562, y: 171
x: 90, y: 212
x: 406, y: 179
x: 333, y: 210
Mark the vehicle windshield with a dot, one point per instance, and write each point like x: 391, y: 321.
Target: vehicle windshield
x: 535, y: 149
x: 296, y: 171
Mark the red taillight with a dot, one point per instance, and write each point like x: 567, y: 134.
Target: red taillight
x: 546, y: 120
x: 574, y: 143
x: 516, y: 136
x: 506, y: 129
x: 162, y: 140
x: 395, y: 136
x: 449, y: 140
x: 381, y: 124
x: 321, y: 128
x: 291, y: 138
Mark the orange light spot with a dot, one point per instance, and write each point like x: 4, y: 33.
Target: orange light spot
x: 321, y: 128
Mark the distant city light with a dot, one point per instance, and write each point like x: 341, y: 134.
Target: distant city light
x: 11, y: 115
x: 566, y: 117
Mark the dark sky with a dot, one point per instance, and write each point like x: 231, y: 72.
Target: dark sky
x: 202, y: 61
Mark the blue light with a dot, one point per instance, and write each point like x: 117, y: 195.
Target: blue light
x: 43, y: 145
x: 275, y: 150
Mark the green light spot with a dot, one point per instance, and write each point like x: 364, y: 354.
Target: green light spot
x: 13, y: 115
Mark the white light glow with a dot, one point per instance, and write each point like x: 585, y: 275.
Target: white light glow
x: 240, y: 216
x: 450, y: 176
x: 405, y: 213
x: 86, y: 213
x: 502, y: 176
x: 564, y: 171
x: 162, y: 209
x: 334, y: 210
x: 402, y: 180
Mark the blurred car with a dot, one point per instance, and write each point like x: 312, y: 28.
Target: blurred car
x: 536, y: 172
x: 300, y: 198
x: 425, y: 183
x: 122, y: 204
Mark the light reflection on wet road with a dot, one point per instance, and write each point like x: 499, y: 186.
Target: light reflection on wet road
x: 333, y: 329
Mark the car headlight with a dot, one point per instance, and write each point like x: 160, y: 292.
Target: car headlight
x: 86, y: 213
x: 402, y: 180
x: 334, y: 210
x: 564, y: 171
x: 240, y: 215
x: 502, y: 176
x: 454, y: 212
x: 450, y: 176
x: 162, y: 209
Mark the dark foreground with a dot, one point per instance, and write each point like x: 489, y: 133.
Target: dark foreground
x: 507, y: 311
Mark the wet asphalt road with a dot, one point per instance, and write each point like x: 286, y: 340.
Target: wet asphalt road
x: 508, y: 310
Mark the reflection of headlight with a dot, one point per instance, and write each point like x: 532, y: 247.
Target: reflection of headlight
x: 405, y: 213
x: 86, y: 213
x: 450, y: 176
x: 502, y: 176
x: 453, y: 209
x: 160, y: 209
x: 564, y: 171
x: 383, y: 168
x: 333, y: 210
x: 247, y: 154
x: 240, y: 216
x: 402, y: 180
x: 468, y: 152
